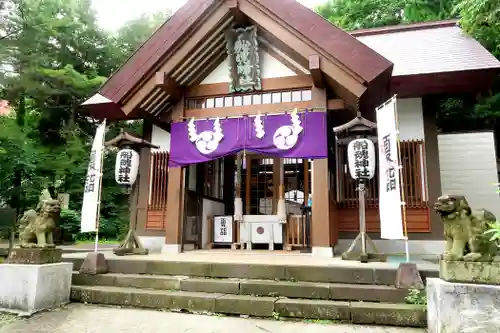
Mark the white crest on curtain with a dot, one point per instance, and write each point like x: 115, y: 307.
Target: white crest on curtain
x: 286, y: 137
x: 207, y: 141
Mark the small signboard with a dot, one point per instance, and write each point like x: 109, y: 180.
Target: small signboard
x: 223, y: 229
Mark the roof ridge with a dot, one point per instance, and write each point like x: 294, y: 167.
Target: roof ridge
x: 404, y: 27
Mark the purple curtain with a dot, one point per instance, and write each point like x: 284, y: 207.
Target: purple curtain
x: 284, y: 136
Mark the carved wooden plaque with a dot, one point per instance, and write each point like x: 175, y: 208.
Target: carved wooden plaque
x: 244, y: 61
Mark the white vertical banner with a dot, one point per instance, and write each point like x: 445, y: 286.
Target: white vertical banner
x: 92, y: 190
x: 391, y: 222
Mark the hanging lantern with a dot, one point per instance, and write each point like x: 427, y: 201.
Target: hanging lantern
x: 361, y: 156
x: 126, y: 167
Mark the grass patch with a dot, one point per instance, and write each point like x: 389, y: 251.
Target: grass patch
x: 320, y: 321
x: 7, y: 318
x: 416, y: 296
x: 101, y: 241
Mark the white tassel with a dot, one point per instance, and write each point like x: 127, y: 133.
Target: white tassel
x: 238, y: 209
x: 259, y: 127
x: 193, y: 136
x: 296, y: 123
x: 219, y: 135
x: 281, y: 210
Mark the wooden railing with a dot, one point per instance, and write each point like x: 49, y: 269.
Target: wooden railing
x: 158, y: 180
x: 158, y: 187
x: 414, y: 183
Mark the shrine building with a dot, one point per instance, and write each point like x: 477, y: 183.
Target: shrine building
x: 241, y: 97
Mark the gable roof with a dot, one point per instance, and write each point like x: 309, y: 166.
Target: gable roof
x: 353, y: 59
x: 338, y: 43
x: 424, y: 48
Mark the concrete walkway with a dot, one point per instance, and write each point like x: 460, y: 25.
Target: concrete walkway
x: 92, y: 319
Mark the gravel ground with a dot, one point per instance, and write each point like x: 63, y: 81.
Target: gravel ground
x: 94, y: 319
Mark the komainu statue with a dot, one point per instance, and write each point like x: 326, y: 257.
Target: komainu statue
x: 464, y: 230
x: 36, y: 227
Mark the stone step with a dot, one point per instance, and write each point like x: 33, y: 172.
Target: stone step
x: 212, y: 303
x: 305, y: 290
x: 355, y: 274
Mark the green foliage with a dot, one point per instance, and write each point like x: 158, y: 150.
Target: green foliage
x: 493, y: 232
x: 70, y: 222
x: 357, y: 14
x: 53, y: 56
x: 416, y: 296
x: 479, y: 18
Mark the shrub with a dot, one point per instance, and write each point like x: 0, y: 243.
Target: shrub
x: 416, y: 296
x: 70, y: 223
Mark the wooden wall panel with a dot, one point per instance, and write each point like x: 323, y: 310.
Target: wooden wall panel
x: 156, y: 220
x: 417, y: 218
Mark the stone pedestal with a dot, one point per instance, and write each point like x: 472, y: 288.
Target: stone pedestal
x: 455, y: 307
x: 470, y: 272
x: 26, y: 289
x: 34, y: 256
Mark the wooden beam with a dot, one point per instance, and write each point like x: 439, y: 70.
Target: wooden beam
x: 240, y: 19
x: 315, y: 69
x: 249, y: 110
x: 336, y: 104
x: 169, y: 85
x: 277, y: 54
x: 281, y: 83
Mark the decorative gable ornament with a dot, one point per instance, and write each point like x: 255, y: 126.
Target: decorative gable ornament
x: 126, y: 167
x: 361, y: 157
x: 207, y: 141
x: 244, y: 62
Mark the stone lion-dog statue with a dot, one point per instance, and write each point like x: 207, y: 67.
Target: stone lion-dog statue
x: 464, y: 230
x: 36, y: 228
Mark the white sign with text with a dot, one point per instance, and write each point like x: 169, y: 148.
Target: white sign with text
x: 223, y: 229
x: 391, y: 222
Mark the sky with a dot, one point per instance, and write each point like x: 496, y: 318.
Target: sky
x: 113, y: 14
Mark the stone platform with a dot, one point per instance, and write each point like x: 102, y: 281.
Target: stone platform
x: 455, y: 307
x: 26, y: 289
x: 253, y: 284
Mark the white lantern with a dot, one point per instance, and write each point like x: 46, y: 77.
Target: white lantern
x: 361, y: 156
x: 126, y: 167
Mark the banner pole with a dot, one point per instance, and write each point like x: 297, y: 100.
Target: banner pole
x: 401, y: 183
x: 96, y: 245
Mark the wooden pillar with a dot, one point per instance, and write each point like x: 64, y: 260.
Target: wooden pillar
x: 277, y: 181
x: 140, y: 195
x: 320, y: 224
x: 175, y: 198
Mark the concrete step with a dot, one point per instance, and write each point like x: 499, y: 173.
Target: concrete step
x: 355, y: 274
x: 212, y: 303
x: 305, y: 290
